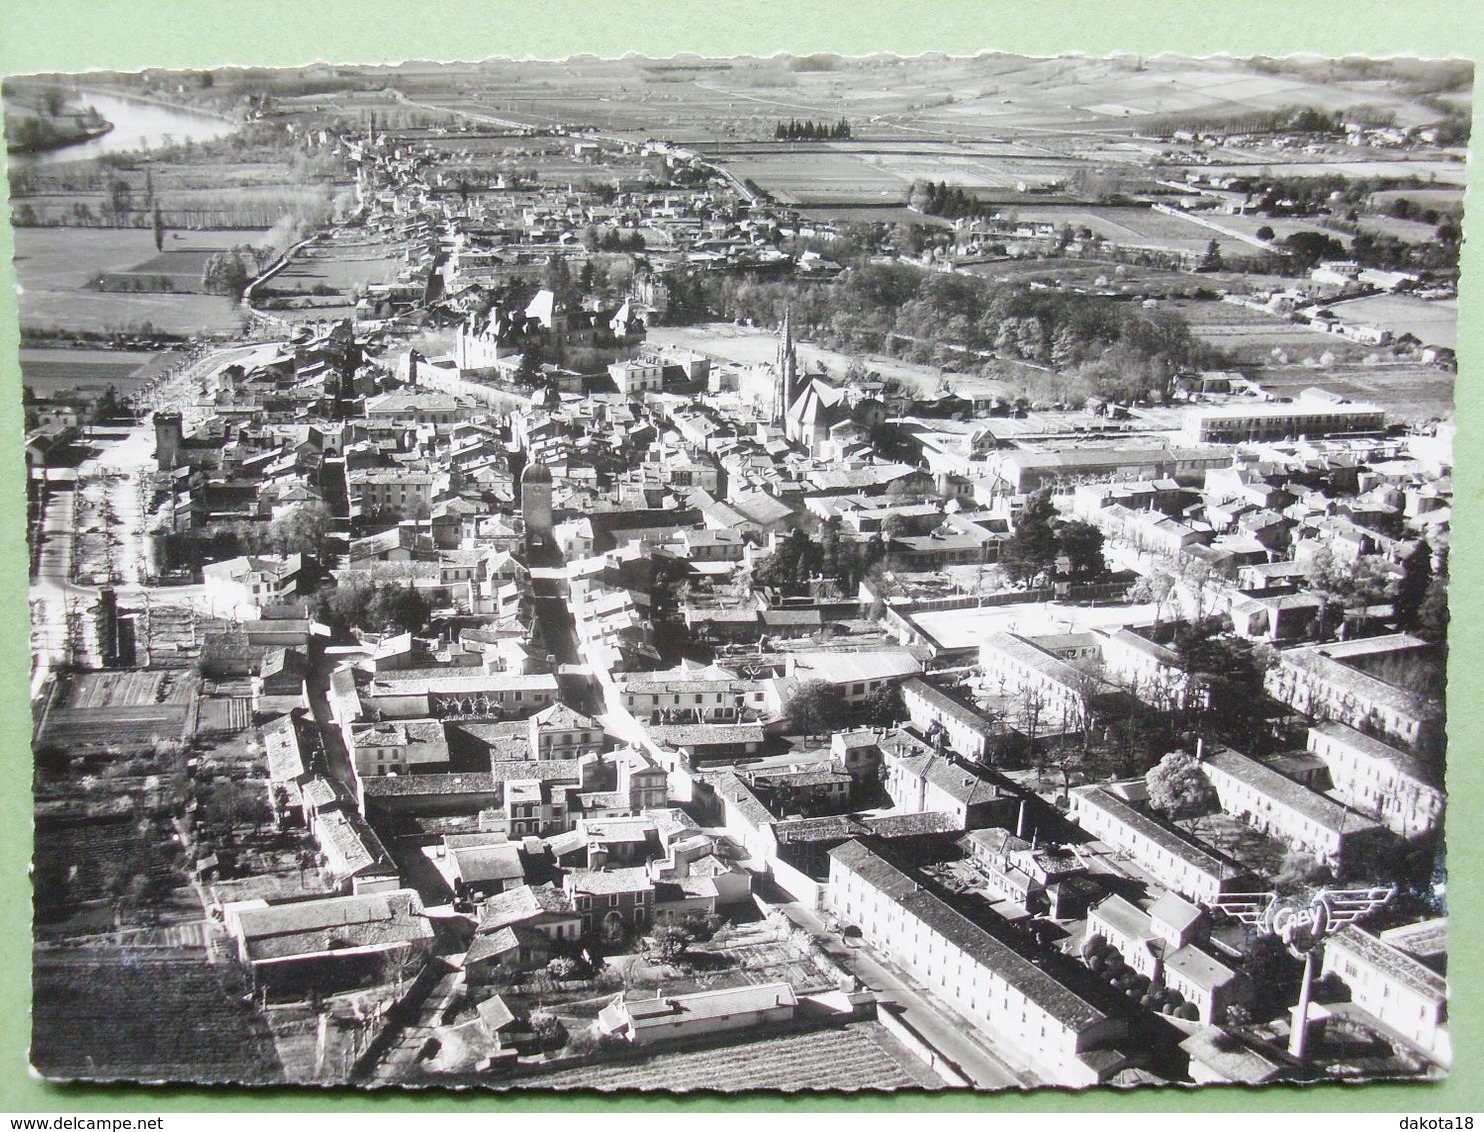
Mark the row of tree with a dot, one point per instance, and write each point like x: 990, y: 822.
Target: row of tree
x: 806, y: 129
x: 943, y: 199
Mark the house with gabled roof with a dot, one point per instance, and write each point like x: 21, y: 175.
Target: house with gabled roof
x: 613, y: 903
x: 336, y: 942
x: 1165, y: 943
x: 920, y: 779
x: 654, y: 1021
x: 476, y: 865
x: 561, y: 732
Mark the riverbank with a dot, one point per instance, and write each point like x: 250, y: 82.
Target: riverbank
x: 140, y: 124
x: 163, y: 104
x: 27, y: 132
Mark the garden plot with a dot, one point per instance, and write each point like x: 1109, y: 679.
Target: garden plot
x: 114, y: 1014
x: 1256, y: 337
x: 861, y: 1056
x: 117, y: 712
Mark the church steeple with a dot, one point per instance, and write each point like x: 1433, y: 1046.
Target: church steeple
x: 785, y: 368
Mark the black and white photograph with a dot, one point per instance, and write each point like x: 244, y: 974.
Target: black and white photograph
x: 700, y: 574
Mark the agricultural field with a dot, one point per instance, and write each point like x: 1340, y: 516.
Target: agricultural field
x: 1433, y: 322
x: 1127, y: 227
x: 857, y: 173
x: 118, y: 711
x: 1248, y: 225
x: 1406, y: 392
x: 1277, y: 164
x: 821, y: 177
x: 76, y: 872
x: 1450, y: 199
x: 1255, y: 337
x: 54, y: 267
x: 321, y: 279
x: 860, y: 1056
x: 51, y: 372
x: 140, y: 1015
x: 1410, y: 231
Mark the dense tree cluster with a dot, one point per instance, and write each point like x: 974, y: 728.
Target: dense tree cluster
x: 806, y: 129
x: 816, y: 707
x: 305, y: 529
x: 228, y: 273
x: 801, y: 560
x: 612, y: 240
x: 1096, y: 346
x: 374, y: 607
x: 1042, y: 538
x: 1230, y: 672
x: 1179, y: 788
x: 943, y: 199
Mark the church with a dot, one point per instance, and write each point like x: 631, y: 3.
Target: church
x: 812, y: 411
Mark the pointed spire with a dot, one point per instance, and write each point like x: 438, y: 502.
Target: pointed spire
x: 785, y: 367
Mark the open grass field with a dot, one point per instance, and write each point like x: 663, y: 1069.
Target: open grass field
x: 749, y: 346
x: 1256, y: 338
x: 113, y: 1014
x: 1434, y: 322
x: 102, y: 313
x: 860, y: 1056
x: 1411, y: 231
x: 1406, y: 392
x: 54, y: 266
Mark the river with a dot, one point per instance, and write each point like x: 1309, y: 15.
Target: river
x: 136, y: 125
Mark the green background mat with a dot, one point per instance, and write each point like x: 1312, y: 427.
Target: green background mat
x: 73, y: 35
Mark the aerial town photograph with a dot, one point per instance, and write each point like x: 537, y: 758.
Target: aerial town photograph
x: 778, y: 573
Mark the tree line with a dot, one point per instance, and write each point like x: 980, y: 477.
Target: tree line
x: 806, y: 129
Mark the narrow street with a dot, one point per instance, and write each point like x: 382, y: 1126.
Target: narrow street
x: 317, y: 688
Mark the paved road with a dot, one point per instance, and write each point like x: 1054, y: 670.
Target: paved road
x: 947, y: 1033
